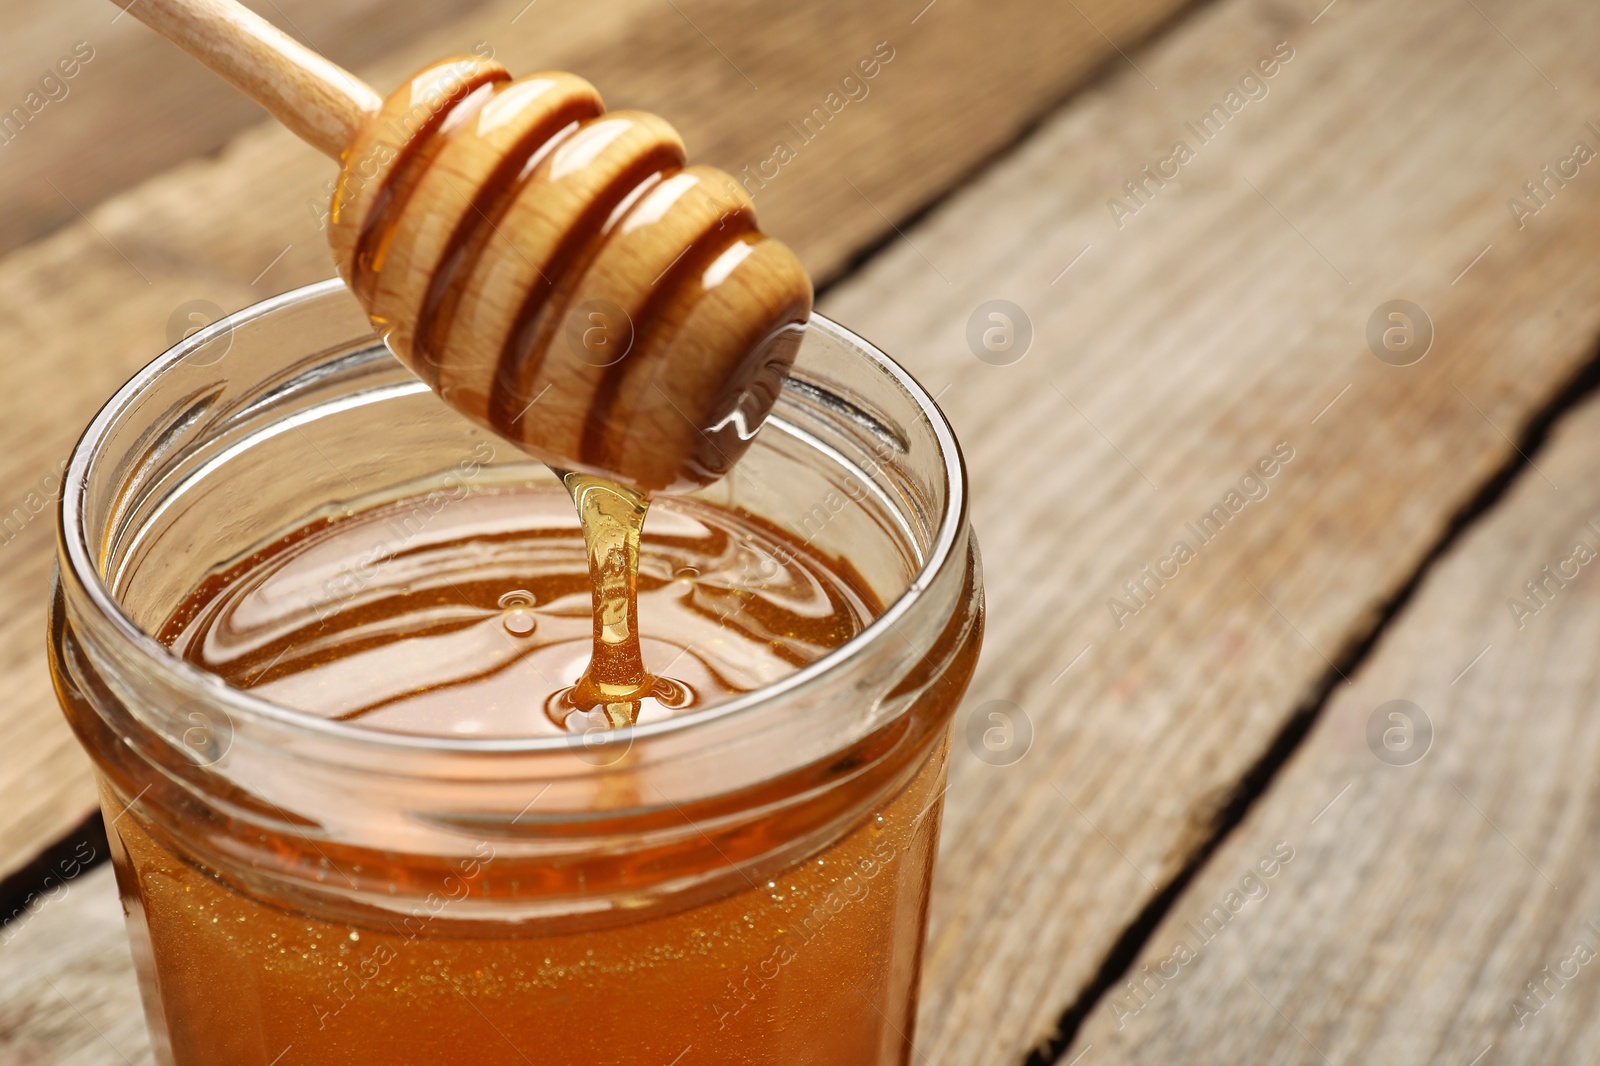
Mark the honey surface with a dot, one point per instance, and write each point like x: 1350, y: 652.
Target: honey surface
x: 476, y: 616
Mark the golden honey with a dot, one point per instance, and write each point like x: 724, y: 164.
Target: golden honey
x: 480, y: 625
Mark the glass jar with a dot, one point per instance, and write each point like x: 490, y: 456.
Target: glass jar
x: 746, y: 883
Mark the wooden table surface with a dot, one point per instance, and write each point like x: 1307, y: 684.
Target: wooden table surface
x: 1291, y: 596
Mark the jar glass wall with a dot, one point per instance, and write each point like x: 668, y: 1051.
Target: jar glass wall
x: 746, y: 883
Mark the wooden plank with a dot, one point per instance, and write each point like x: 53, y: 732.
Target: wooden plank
x: 135, y: 108
x: 93, y: 302
x: 1227, y: 314
x: 67, y: 991
x: 1441, y: 905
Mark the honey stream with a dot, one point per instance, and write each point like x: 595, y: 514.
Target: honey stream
x: 612, y: 518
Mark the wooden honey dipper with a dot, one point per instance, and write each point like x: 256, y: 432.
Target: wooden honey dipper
x: 555, y: 272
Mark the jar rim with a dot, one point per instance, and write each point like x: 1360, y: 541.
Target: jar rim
x: 157, y: 657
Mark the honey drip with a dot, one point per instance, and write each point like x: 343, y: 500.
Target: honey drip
x: 616, y: 681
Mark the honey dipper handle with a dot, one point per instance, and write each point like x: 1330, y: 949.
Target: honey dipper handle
x: 321, y: 103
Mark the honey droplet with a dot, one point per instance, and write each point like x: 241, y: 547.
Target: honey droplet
x: 518, y: 619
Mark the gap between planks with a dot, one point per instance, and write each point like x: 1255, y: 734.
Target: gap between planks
x: 1179, y: 332
x: 1258, y: 781
x: 1019, y: 977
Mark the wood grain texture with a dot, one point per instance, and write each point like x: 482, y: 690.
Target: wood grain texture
x: 1427, y: 889
x: 68, y: 996
x: 103, y: 296
x: 321, y: 103
x: 1222, y: 322
x: 136, y: 108
x: 1228, y: 314
x: 1184, y: 347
